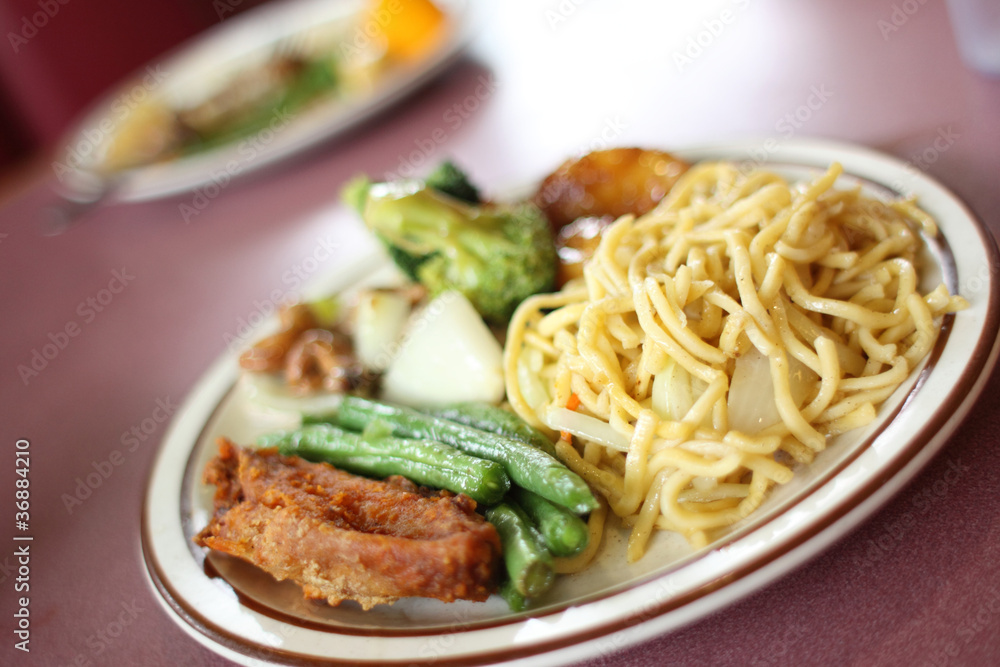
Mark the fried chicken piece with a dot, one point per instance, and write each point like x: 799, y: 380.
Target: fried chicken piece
x: 344, y: 537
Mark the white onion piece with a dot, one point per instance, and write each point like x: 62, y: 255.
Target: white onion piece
x: 675, y: 391
x: 751, y: 392
x: 672, y: 393
x: 585, y: 426
x: 379, y: 321
x: 447, y: 354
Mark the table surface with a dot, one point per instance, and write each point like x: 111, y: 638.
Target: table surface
x: 562, y: 77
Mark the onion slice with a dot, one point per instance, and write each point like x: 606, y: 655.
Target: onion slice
x: 585, y: 426
x: 752, y: 407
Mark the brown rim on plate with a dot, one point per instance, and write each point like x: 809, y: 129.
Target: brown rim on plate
x: 952, y: 405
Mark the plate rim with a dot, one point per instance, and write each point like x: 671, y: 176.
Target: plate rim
x: 821, y: 532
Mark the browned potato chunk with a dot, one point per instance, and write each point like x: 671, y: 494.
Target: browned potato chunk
x: 609, y: 182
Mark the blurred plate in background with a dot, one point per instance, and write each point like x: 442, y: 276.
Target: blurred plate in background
x: 117, y: 150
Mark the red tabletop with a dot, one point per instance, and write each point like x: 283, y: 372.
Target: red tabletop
x: 128, y: 309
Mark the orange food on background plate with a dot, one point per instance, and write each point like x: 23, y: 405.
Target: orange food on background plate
x: 412, y: 28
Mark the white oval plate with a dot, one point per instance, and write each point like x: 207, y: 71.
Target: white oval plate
x: 202, y: 64
x: 242, y: 613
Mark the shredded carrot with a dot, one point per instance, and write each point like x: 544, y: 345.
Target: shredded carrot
x: 572, y: 403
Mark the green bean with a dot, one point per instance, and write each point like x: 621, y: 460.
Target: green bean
x: 565, y: 533
x: 508, y: 591
x: 422, y: 461
x: 526, y: 466
x: 528, y: 562
x: 488, y: 417
x: 311, y: 418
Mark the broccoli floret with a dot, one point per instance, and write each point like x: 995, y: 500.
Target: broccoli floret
x: 355, y: 195
x: 408, y: 262
x: 496, y: 255
x: 451, y: 180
